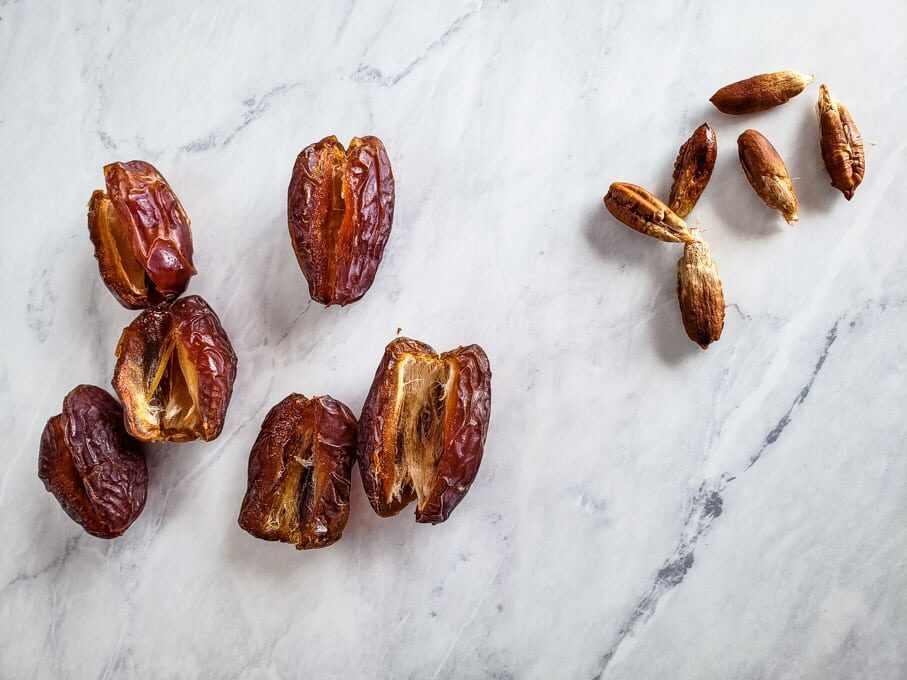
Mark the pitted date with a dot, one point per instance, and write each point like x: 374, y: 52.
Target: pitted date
x: 174, y: 372
x: 93, y: 468
x: 299, y: 473
x: 423, y: 427
x: 141, y: 236
x: 340, y: 210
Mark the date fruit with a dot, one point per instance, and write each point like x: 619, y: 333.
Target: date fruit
x: 699, y: 292
x: 299, y: 473
x: 761, y: 92
x: 842, y: 145
x: 141, y: 236
x: 422, y: 429
x: 174, y: 372
x: 767, y: 174
x: 642, y: 211
x: 93, y: 468
x: 340, y: 209
x: 693, y: 169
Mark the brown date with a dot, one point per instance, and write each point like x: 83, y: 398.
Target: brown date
x: 299, y: 473
x: 422, y: 429
x: 760, y: 93
x: 693, y: 169
x: 340, y: 209
x: 174, y: 372
x: 93, y: 468
x: 141, y: 236
x: 841, y: 144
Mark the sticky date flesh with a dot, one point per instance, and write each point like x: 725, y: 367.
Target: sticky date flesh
x: 141, y: 236
x: 174, y: 372
x: 423, y: 427
x: 94, y: 469
x: 340, y: 210
x: 299, y: 473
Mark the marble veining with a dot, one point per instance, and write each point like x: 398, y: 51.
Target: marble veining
x: 644, y: 509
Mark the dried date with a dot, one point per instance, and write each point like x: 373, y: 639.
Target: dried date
x: 693, y: 169
x: 299, y: 473
x: 760, y: 93
x: 767, y: 174
x: 644, y: 212
x: 841, y: 144
x: 340, y: 210
x: 141, y: 236
x: 174, y: 372
x: 93, y: 468
x: 423, y: 427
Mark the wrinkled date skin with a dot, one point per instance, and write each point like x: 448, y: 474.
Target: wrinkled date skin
x: 340, y: 210
x: 299, y: 473
x: 141, y: 236
x: 93, y: 468
x: 422, y: 429
x: 841, y: 144
x: 642, y: 211
x: 174, y: 372
x: 693, y: 169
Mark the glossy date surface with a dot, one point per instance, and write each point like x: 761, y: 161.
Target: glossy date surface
x: 340, y: 210
x: 299, y: 473
x: 174, y: 372
x: 94, y: 469
x: 141, y: 236
x: 423, y: 427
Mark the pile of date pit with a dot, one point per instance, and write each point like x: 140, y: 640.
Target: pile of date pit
x: 423, y: 425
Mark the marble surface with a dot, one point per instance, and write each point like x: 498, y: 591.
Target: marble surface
x: 644, y: 510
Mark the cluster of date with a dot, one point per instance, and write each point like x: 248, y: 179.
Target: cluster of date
x: 699, y: 290
x: 422, y: 430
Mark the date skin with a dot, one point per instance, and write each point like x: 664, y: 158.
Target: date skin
x: 340, y: 210
x: 174, y: 372
x: 93, y: 468
x: 423, y: 427
x: 299, y: 473
x: 141, y: 236
x: 693, y: 169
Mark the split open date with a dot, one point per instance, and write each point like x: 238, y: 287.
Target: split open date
x: 141, y: 236
x: 423, y: 427
x: 299, y: 473
x: 174, y: 372
x: 420, y: 438
x: 340, y: 209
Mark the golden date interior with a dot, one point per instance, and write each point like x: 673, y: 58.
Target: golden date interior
x: 422, y: 390
x: 292, y: 500
x: 172, y: 396
x: 115, y: 243
x: 339, y: 229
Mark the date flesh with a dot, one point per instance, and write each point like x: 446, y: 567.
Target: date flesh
x: 299, y: 473
x: 174, y: 372
x: 340, y: 210
x: 141, y: 236
x: 423, y: 427
x: 93, y: 468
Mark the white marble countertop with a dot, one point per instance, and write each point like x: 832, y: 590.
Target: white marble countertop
x: 644, y: 510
